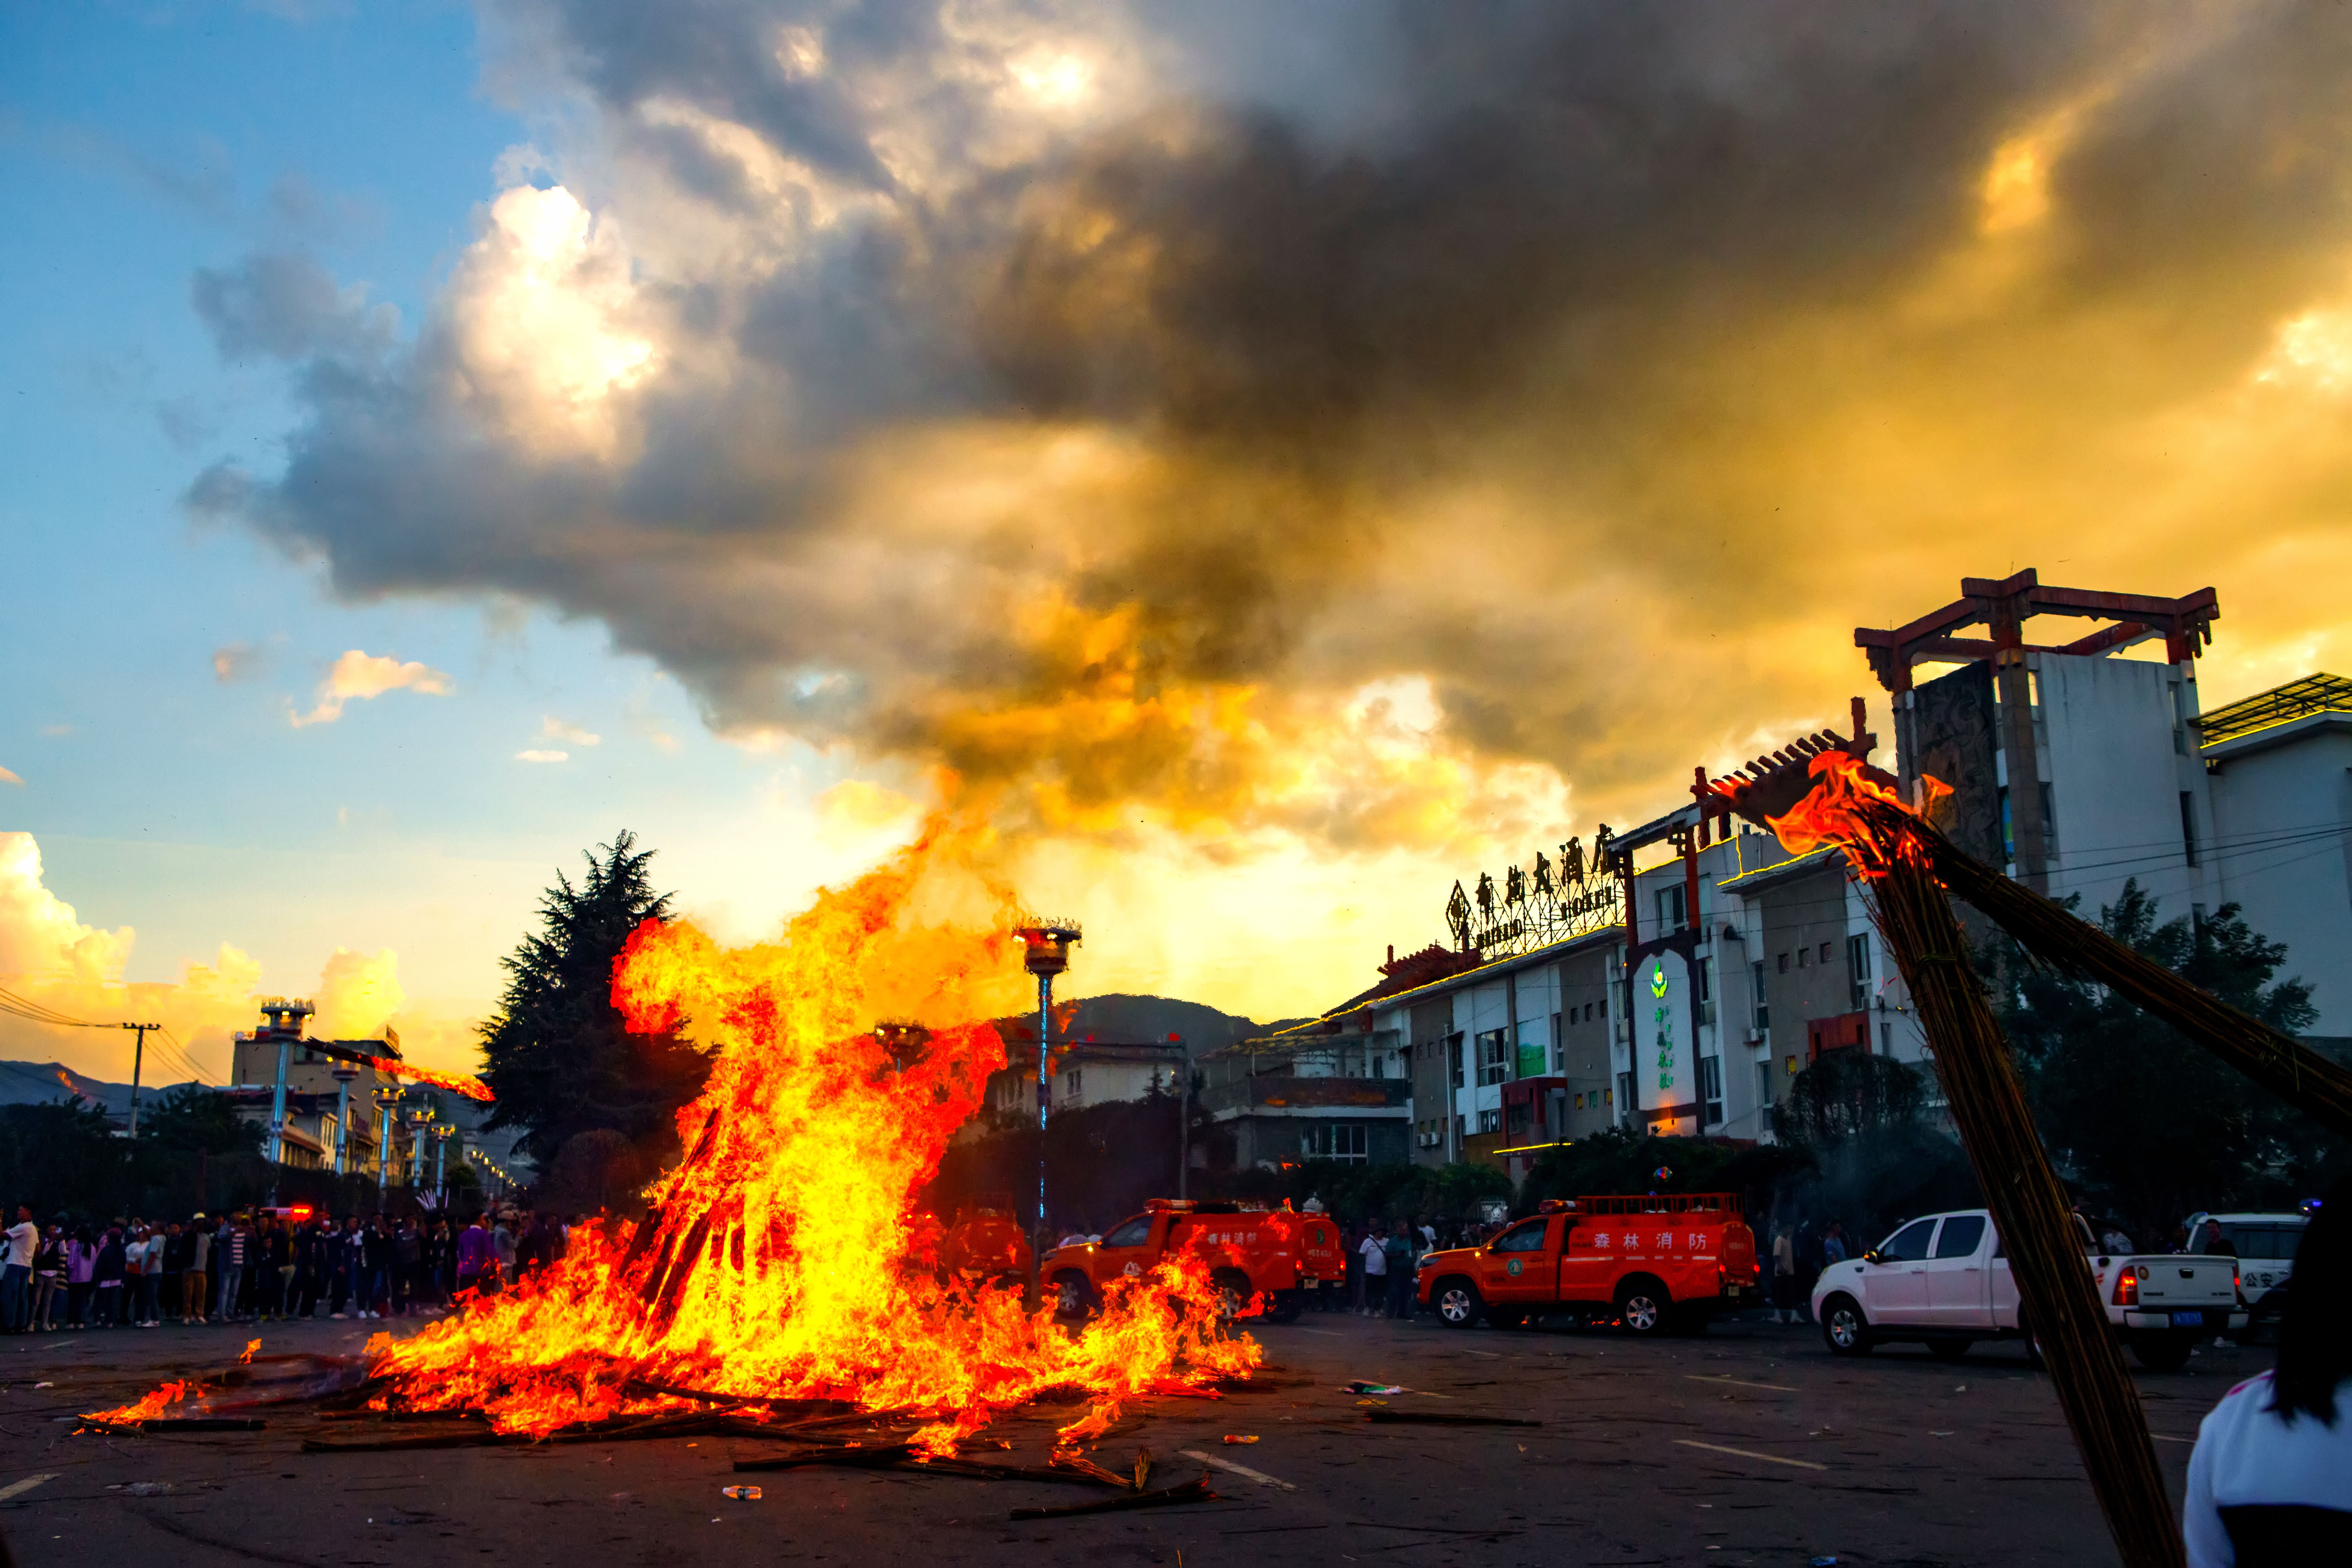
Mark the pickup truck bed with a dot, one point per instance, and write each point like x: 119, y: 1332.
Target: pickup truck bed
x: 1944, y: 1281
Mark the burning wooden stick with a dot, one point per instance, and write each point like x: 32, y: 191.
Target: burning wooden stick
x: 1887, y: 850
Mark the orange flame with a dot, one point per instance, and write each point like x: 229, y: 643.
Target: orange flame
x: 1834, y: 813
x: 154, y: 1405
x: 457, y: 1083
x: 775, y: 1266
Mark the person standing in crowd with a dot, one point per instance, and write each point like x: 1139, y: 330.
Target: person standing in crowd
x: 478, y: 1261
x: 503, y: 1237
x: 48, y: 1277
x: 1373, y: 1285
x: 407, y: 1265
x: 281, y: 1268
x: 171, y: 1287
x: 196, y: 1286
x: 340, y: 1249
x: 376, y: 1251
x: 1784, y: 1276
x: 1834, y: 1244
x: 82, y: 1268
x: 303, y: 1284
x: 432, y: 1264
x: 151, y: 1277
x: 106, y: 1309
x: 2270, y: 1480
x: 1398, y: 1254
x: 230, y: 1244
x: 16, y: 1276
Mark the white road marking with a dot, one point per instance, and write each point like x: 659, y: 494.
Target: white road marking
x: 1739, y: 1382
x: 19, y: 1489
x: 1260, y: 1477
x: 1326, y: 1333
x: 1751, y: 1454
x: 1490, y: 1355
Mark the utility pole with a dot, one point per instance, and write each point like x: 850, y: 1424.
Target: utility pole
x: 1048, y: 943
x: 138, y: 1057
x: 1183, y: 1119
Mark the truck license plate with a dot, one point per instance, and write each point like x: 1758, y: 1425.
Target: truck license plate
x: 1309, y: 1284
x: 2188, y: 1319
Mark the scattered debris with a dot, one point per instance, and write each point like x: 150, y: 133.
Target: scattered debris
x: 1191, y: 1491
x: 741, y: 1494
x: 1361, y: 1386
x: 1260, y: 1477
x: 1234, y: 1439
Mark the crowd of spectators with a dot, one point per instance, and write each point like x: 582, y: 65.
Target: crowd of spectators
x: 260, y: 1266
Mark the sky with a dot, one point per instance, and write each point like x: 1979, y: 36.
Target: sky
x: 1261, y: 462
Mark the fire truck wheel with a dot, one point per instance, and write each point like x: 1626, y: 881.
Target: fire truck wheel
x: 1643, y: 1306
x: 1233, y: 1291
x: 1457, y: 1303
x: 1845, y: 1328
x: 1071, y: 1297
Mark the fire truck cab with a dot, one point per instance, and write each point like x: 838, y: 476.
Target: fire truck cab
x: 1265, y: 1256
x: 1655, y: 1263
x: 986, y: 1241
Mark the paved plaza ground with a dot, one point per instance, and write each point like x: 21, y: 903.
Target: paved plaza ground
x: 1750, y: 1445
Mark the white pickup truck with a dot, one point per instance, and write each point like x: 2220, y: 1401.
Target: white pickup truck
x: 1944, y: 1280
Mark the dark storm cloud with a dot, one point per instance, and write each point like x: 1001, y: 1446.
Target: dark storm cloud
x: 1649, y: 273
x: 285, y: 306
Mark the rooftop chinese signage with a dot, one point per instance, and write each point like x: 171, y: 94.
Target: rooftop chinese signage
x: 1554, y: 902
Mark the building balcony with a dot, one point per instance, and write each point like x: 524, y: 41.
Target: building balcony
x: 1284, y: 1092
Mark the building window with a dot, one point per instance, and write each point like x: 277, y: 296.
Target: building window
x: 1588, y: 1012
x: 1763, y: 1010
x: 1763, y: 1089
x: 1494, y: 1060
x: 1672, y: 915
x: 1857, y: 964
x: 1825, y: 953
x: 1070, y: 1083
x: 1707, y: 990
x: 1490, y: 1120
x: 1625, y: 1087
x: 1886, y: 1039
x: 1710, y: 1089
x: 1333, y: 1140
x: 2008, y: 829
x: 1805, y: 958
x: 2188, y: 826
x: 1453, y: 1060
x: 1558, y: 1050
x: 1784, y: 963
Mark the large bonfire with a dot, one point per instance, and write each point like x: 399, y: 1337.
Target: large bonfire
x: 774, y: 1263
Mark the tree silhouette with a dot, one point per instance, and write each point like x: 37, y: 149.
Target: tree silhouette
x: 557, y: 1053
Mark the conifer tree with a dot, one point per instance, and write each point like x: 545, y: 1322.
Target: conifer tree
x: 557, y: 1053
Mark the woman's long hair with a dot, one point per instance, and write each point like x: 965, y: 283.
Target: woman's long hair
x: 2316, y: 1330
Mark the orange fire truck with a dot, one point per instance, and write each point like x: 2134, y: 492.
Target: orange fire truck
x: 1655, y: 1263
x: 1268, y: 1257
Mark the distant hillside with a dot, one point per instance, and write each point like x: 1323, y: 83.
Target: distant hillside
x: 37, y: 1083
x: 1142, y: 1018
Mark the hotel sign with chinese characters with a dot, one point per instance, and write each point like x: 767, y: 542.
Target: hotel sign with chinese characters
x: 1535, y: 909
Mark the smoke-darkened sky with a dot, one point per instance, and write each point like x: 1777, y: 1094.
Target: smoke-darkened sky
x: 1316, y: 447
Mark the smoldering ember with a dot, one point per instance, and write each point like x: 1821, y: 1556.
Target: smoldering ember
x: 1010, y: 782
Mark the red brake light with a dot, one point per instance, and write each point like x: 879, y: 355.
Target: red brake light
x: 2127, y: 1289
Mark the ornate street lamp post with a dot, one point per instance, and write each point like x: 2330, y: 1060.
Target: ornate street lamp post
x: 1048, y: 943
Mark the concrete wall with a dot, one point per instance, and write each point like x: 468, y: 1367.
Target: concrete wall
x: 2281, y: 804
x: 1583, y: 985
x: 2117, y: 761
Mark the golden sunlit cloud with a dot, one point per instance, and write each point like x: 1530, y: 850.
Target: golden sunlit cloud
x: 1394, y: 460
x: 359, y: 677
x: 48, y: 955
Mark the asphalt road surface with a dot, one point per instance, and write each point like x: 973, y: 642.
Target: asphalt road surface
x: 1749, y: 1445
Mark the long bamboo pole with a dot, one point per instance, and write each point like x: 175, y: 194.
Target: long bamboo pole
x: 2055, y: 1286
x: 1891, y: 851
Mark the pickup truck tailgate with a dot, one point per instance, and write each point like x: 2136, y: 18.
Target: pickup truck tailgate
x: 2174, y: 1282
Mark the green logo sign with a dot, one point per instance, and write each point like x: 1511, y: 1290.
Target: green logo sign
x: 1658, y: 980
x: 1513, y: 1268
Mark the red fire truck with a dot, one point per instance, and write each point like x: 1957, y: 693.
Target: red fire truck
x: 1267, y: 1257
x: 1654, y: 1263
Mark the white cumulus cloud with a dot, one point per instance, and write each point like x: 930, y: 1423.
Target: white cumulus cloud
x: 539, y: 756
x: 555, y: 729
x: 358, y: 676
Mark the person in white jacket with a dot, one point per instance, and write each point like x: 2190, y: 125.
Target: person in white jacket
x: 2269, y: 1481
